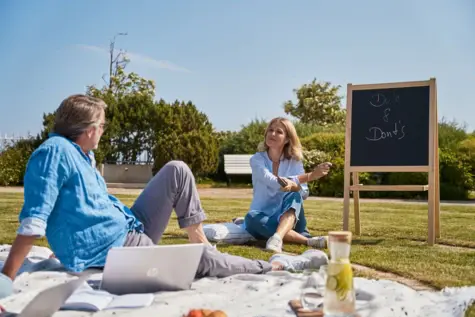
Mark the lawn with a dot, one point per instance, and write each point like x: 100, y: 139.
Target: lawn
x: 393, y: 236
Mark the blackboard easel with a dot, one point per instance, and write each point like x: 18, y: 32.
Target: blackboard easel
x: 392, y: 127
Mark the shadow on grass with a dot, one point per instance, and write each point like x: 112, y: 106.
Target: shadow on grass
x: 367, y: 241
x: 443, y: 242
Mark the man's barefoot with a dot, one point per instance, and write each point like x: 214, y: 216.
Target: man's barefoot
x: 196, y: 234
x: 277, y: 266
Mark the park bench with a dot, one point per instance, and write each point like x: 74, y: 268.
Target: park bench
x: 237, y: 164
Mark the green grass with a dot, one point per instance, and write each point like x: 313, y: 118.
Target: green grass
x: 393, y: 236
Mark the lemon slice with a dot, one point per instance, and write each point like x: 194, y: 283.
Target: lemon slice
x: 332, y: 283
x: 334, y: 269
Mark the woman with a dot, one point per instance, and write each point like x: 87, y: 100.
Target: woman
x: 280, y: 186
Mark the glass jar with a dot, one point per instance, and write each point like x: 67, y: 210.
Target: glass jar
x: 339, y: 296
x: 311, y: 297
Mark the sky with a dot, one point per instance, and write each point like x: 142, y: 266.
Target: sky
x: 235, y: 60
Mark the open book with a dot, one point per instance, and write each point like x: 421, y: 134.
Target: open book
x: 86, y: 298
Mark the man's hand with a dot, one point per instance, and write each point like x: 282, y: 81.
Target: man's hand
x: 19, y: 250
x: 6, y: 287
x: 320, y: 171
x: 290, y: 186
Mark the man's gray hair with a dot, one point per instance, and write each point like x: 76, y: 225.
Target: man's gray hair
x: 76, y: 114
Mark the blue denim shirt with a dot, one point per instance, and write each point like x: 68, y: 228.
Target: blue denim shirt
x: 66, y: 199
x: 267, y: 196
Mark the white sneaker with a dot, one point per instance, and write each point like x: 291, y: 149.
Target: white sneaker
x: 318, y: 242
x: 274, y: 244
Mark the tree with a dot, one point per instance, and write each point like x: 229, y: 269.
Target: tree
x: 318, y: 103
x: 48, y: 124
x: 246, y: 140
x: 130, y: 102
x: 13, y: 160
x: 184, y: 133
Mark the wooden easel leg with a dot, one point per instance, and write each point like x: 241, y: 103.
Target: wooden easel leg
x: 434, y: 165
x: 356, y: 201
x: 437, y: 177
x: 346, y: 201
x: 437, y: 207
x: 431, y: 209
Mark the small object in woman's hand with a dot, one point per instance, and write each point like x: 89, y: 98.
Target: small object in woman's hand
x: 321, y: 170
x: 282, y: 181
x: 326, y: 165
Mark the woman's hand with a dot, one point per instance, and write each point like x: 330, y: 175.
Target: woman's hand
x: 290, y: 185
x: 320, y: 171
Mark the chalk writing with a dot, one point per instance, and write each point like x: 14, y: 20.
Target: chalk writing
x: 377, y: 100
x: 395, y: 99
x: 378, y: 134
x: 386, y: 114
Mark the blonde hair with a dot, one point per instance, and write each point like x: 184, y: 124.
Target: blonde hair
x: 293, y: 148
x: 76, y: 114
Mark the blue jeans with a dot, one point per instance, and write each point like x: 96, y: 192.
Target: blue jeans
x: 261, y: 226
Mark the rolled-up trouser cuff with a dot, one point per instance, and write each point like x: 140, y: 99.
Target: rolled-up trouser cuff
x: 192, y: 220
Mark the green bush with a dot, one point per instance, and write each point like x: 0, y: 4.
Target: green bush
x: 182, y: 132
x: 466, y: 149
x: 197, y: 148
x: 405, y: 179
x: 451, y: 134
x: 307, y: 129
x: 13, y: 162
x: 244, y: 141
x: 456, y: 181
x: 331, y: 143
x: 332, y: 184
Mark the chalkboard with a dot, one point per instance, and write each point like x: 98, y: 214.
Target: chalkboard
x: 390, y: 127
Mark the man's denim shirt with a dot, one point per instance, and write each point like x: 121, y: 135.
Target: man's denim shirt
x: 66, y: 199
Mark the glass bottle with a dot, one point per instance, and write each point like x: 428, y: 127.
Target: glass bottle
x: 339, y: 297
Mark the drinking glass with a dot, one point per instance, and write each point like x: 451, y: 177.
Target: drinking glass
x: 311, y: 296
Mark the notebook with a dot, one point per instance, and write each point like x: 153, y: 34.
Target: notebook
x: 88, y: 299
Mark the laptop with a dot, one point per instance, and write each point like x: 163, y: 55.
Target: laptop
x: 151, y: 269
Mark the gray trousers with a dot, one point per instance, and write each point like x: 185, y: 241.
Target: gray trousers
x: 173, y: 187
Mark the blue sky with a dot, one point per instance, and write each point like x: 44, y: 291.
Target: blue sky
x: 236, y: 60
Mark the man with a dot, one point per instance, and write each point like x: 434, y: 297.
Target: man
x: 66, y: 200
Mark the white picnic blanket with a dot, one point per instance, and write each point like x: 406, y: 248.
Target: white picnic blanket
x: 244, y: 295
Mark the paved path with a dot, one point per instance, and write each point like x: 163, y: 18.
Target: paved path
x: 246, y: 193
